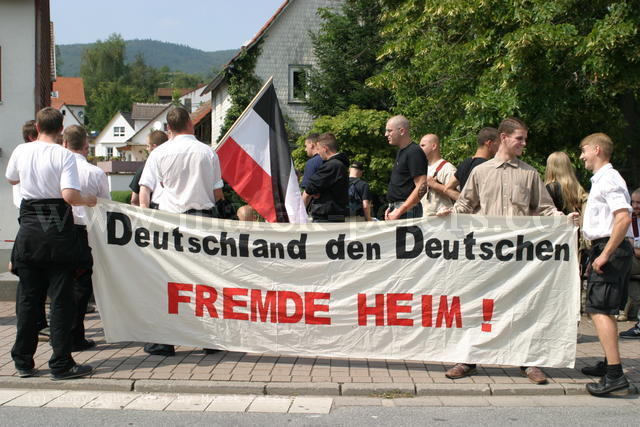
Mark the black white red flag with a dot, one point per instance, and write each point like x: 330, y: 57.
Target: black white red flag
x: 256, y: 162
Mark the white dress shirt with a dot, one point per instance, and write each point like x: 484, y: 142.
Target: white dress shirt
x: 188, y: 171
x: 93, y: 182
x: 608, y: 194
x: 43, y: 169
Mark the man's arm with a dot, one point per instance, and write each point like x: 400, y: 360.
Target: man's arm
x: 366, y: 208
x: 621, y: 222
x: 145, y: 196
x: 218, y: 194
x: 418, y: 193
x: 74, y: 198
x: 450, y: 188
x: 13, y: 182
x: 135, y: 199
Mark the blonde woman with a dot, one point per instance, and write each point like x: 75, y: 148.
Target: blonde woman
x: 562, y: 184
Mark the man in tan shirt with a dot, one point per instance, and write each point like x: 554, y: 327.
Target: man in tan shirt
x: 505, y: 186
x: 439, y: 172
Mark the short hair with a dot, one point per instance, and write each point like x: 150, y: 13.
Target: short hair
x: 313, y: 137
x: 49, y: 120
x: 511, y: 124
x: 178, y: 119
x: 76, y: 137
x: 487, y: 134
x: 400, y: 121
x: 600, y: 139
x: 636, y: 191
x: 29, y: 131
x: 157, y: 137
x: 328, y: 140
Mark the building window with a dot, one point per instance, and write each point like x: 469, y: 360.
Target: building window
x: 187, y: 105
x: 54, y: 94
x: 118, y: 131
x: 298, y: 81
x: 92, y: 151
x: 109, y: 152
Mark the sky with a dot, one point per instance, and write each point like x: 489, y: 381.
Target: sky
x: 206, y: 25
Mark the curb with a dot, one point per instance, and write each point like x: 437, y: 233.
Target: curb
x: 390, y: 390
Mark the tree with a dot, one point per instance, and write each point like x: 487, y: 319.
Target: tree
x: 346, y: 48
x: 566, y: 67
x: 103, y: 62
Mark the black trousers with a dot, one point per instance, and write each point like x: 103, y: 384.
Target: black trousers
x: 33, y: 287
x: 83, y: 285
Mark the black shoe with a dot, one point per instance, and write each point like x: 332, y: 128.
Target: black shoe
x: 160, y: 349
x: 608, y: 385
x: 211, y: 351
x: 633, y: 333
x: 599, y: 370
x: 26, y: 373
x: 83, y: 345
x: 76, y: 371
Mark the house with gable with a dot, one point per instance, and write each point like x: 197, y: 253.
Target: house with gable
x: 67, y: 96
x: 114, y: 135
x: 27, y: 70
x: 286, y: 54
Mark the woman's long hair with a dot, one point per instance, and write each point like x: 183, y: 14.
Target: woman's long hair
x: 560, y: 170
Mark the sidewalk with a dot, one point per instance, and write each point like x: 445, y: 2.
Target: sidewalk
x: 125, y: 367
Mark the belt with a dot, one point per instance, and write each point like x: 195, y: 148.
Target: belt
x: 600, y: 240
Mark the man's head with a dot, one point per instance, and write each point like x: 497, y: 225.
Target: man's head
x: 74, y: 138
x: 513, y: 137
x: 246, y: 213
x: 490, y: 138
x: 397, y: 131
x: 327, y: 145
x: 310, y: 144
x: 596, y: 150
x: 635, y: 201
x: 49, y: 121
x: 29, y: 131
x: 430, y: 144
x: 356, y: 169
x: 179, y: 121
x: 155, y: 139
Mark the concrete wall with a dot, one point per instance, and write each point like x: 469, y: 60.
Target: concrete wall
x: 17, y: 105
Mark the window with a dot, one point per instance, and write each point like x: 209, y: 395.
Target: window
x: 109, y: 152
x: 187, y: 105
x: 298, y: 80
x: 118, y: 131
x: 54, y: 94
x: 92, y: 151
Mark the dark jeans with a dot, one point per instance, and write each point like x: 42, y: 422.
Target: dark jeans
x: 83, y: 286
x: 30, y: 299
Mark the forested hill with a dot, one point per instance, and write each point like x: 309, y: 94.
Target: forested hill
x: 156, y: 54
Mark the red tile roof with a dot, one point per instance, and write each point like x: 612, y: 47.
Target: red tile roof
x: 167, y: 92
x: 70, y: 91
x: 201, y: 112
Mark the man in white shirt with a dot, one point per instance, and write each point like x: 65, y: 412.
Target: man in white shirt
x: 44, y: 252
x: 634, y: 230
x: 439, y: 173
x: 606, y: 223
x: 29, y: 134
x: 189, y: 173
x: 93, y: 182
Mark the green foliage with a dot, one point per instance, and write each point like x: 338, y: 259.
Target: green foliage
x: 121, y: 196
x: 360, y: 135
x: 346, y: 46
x: 563, y: 66
x: 243, y: 84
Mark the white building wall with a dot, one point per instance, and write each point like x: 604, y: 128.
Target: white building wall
x: 107, y: 139
x: 17, y: 105
x: 196, y: 99
x: 78, y: 111
x: 119, y: 181
x: 69, y: 118
x: 220, y: 103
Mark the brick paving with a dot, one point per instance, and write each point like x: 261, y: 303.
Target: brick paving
x: 128, y: 361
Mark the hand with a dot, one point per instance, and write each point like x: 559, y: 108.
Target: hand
x: 393, y: 215
x: 599, y: 262
x: 91, y: 201
x: 386, y: 214
x: 444, y: 211
x: 574, y: 217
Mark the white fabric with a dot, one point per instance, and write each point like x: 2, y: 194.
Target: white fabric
x: 188, y: 171
x: 44, y: 169
x: 252, y: 134
x: 17, y: 195
x: 536, y: 302
x: 608, y: 194
x: 93, y: 182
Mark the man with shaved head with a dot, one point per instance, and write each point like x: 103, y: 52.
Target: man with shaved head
x: 408, y: 183
x: 440, y: 172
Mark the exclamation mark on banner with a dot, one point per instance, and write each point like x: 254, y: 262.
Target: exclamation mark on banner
x: 487, y: 313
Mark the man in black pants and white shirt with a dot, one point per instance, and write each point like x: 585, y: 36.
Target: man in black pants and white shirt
x: 94, y: 182
x: 45, y: 250
x: 190, y: 175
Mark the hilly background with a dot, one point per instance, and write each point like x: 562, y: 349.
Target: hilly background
x: 156, y: 53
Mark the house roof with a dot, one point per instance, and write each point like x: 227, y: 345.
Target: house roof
x: 219, y: 78
x: 147, y: 125
x: 165, y: 92
x: 201, y: 112
x: 127, y: 117
x: 141, y: 111
x: 70, y: 91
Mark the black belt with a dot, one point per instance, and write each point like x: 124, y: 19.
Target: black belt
x: 211, y: 212
x: 600, y: 240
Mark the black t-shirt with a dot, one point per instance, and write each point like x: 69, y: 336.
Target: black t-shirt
x: 362, y: 188
x: 135, y: 182
x: 465, y: 168
x: 410, y: 162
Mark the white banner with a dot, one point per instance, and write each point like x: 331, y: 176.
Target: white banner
x: 465, y: 288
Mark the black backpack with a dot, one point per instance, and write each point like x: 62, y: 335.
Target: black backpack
x: 355, y: 199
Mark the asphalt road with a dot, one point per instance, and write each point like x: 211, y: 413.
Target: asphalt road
x: 600, y: 415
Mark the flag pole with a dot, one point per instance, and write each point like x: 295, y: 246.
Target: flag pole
x: 246, y: 111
